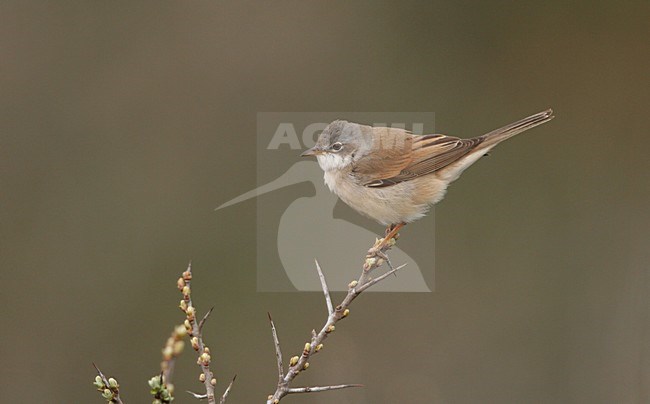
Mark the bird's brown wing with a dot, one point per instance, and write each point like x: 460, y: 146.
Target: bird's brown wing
x: 391, y: 151
x: 428, y: 154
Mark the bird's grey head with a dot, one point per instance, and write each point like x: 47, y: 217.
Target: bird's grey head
x: 339, y: 145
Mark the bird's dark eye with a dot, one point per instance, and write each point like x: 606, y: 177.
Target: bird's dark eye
x: 337, y: 146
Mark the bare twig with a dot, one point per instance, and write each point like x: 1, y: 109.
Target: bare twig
x: 225, y: 393
x: 197, y: 395
x: 375, y: 258
x: 316, y: 389
x: 326, y: 291
x: 372, y: 281
x: 109, y: 387
x: 278, y: 351
x: 205, y: 317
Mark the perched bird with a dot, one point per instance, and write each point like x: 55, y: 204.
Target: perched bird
x: 393, y: 176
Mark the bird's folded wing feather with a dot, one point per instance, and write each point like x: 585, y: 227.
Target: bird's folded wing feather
x: 427, y: 154
x: 390, y: 152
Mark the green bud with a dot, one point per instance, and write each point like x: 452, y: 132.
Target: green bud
x: 154, y: 383
x: 107, y: 394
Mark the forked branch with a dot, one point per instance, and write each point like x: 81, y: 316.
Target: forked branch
x: 375, y: 258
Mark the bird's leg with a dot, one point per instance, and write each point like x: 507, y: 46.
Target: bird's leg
x: 391, y: 233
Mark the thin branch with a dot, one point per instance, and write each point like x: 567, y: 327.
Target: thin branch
x: 326, y: 291
x: 205, y: 318
x: 317, y: 389
x: 225, y: 393
x: 109, y: 387
x: 172, y: 349
x: 101, y: 375
x: 194, y: 330
x: 197, y: 395
x: 379, y: 278
x: 278, y: 350
x: 375, y: 258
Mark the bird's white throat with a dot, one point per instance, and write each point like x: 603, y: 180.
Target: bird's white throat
x: 331, y: 161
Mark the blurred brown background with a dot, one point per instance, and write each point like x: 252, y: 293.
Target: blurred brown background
x: 123, y: 125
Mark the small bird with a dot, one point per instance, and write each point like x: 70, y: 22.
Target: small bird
x: 393, y: 176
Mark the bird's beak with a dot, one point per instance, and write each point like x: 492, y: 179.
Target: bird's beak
x: 314, y: 151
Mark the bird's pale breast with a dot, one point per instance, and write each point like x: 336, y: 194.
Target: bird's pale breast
x: 388, y: 205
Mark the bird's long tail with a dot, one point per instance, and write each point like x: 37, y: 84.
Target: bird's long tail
x: 515, y: 128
